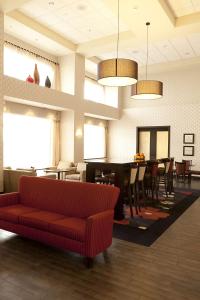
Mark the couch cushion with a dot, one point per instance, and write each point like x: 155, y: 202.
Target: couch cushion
x: 75, y: 177
x: 69, y: 198
x: 73, y: 228
x: 11, y: 213
x: 39, y: 219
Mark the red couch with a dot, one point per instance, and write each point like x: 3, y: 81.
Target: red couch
x: 69, y: 215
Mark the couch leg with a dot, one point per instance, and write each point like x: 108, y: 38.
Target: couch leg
x: 89, y: 262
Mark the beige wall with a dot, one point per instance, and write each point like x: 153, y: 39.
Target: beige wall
x: 67, y: 135
x: 70, y: 100
x: 179, y: 108
x: 40, y: 112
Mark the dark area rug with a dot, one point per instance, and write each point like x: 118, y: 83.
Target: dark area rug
x: 152, y: 221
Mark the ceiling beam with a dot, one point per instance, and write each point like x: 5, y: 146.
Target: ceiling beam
x: 106, y: 44
x: 168, y: 11
x: 188, y: 19
x: 9, y: 5
x: 29, y: 22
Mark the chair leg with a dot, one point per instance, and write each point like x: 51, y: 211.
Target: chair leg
x: 136, y: 198
x: 130, y: 201
x: 143, y: 194
x: 89, y: 262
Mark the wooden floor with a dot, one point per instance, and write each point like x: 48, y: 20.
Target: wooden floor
x: 169, y: 269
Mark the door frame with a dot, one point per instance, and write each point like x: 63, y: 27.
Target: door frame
x: 151, y: 129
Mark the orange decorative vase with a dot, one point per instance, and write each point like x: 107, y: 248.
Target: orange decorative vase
x: 36, y: 75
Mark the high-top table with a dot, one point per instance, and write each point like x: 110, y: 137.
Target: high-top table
x: 115, y: 173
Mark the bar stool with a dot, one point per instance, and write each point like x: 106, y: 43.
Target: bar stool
x: 140, y: 185
x: 154, y: 180
x: 167, y: 178
x: 132, y: 192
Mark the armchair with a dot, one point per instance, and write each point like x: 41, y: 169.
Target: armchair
x: 62, y: 165
x: 78, y: 173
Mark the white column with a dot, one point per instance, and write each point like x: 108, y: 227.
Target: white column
x: 67, y: 73
x: 1, y: 97
x: 79, y: 114
x: 72, y: 122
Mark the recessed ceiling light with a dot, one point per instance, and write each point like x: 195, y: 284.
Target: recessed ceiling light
x: 81, y: 7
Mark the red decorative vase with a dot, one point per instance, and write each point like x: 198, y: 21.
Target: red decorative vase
x: 36, y: 75
x: 29, y: 79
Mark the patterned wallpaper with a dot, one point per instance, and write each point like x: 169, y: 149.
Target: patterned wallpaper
x: 179, y: 109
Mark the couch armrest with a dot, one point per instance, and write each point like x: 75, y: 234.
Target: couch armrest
x: 50, y: 169
x: 99, y: 229
x: 83, y: 176
x: 9, y: 199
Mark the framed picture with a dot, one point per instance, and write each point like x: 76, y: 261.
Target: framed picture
x: 188, y: 150
x: 188, y: 138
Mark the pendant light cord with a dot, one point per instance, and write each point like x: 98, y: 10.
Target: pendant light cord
x: 118, y: 29
x: 116, y: 67
x: 147, y: 61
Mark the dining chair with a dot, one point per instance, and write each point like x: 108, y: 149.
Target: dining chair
x: 180, y: 171
x: 188, y: 173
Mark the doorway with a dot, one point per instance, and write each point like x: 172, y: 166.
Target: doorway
x: 153, y: 141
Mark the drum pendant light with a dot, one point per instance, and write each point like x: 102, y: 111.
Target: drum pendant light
x: 117, y: 71
x: 147, y: 89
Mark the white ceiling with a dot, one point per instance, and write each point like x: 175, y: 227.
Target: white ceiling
x: 77, y: 20
x: 91, y: 26
x: 184, y: 7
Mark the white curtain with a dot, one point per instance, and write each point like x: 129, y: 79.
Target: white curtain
x: 27, y: 141
x: 19, y: 63
x: 94, y: 141
x: 107, y: 95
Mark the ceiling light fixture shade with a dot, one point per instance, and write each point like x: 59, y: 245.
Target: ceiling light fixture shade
x: 117, y: 71
x: 147, y: 89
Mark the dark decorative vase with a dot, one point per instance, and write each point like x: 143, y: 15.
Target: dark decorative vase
x: 36, y: 75
x: 47, y: 82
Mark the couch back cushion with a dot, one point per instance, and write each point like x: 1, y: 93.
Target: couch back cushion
x: 77, y: 199
x: 81, y: 167
x: 11, y: 179
x: 63, y: 165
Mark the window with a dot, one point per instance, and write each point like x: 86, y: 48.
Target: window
x: 20, y: 64
x: 94, y: 141
x: 99, y: 93
x: 27, y: 141
x: 93, y: 91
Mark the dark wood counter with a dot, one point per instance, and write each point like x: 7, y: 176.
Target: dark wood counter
x: 114, y: 173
